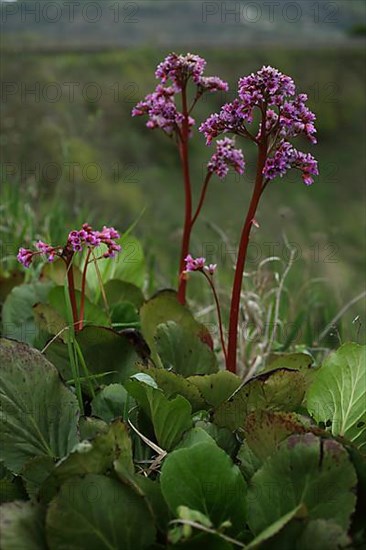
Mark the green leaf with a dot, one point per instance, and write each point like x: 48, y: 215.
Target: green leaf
x: 8, y: 280
x: 98, y: 513
x: 304, y: 471
x: 40, y: 414
x: 48, y: 319
x: 128, y: 266
x: 295, y: 361
x: 17, y: 314
x: 90, y: 426
x: 182, y: 351
x: 98, y: 455
x: 105, y: 351
x: 217, y: 387
x: 93, y: 315
x: 322, y: 534
x: 193, y: 436
x: 275, y: 527
x: 164, y: 307
x: 223, y: 437
x: 249, y: 463
x: 173, y: 384
x: 302, y: 534
x: 22, y: 526
x: 120, y: 291
x: 337, y: 395
x: 155, y: 500
x: 170, y: 418
x: 107, y: 450
x: 35, y: 471
x: 203, y: 477
x: 110, y: 403
x: 265, y: 430
x: 124, y: 314
x: 281, y: 389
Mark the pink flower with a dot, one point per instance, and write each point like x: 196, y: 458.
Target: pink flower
x: 287, y: 157
x: 198, y: 264
x: 25, y: 257
x: 226, y: 155
x: 212, y: 84
x: 211, y: 268
x: 179, y: 68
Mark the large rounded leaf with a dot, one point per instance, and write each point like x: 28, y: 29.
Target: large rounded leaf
x: 181, y: 350
x: 164, y: 307
x: 173, y: 384
x: 98, y: 513
x: 93, y: 315
x: 39, y: 414
x: 97, y: 456
x: 128, y: 266
x: 337, y: 396
x: 119, y: 291
x: 304, y: 471
x: 278, y: 390
x: 203, y: 477
x: 105, y: 351
x: 217, y: 387
x: 17, y: 314
x: 111, y: 402
x: 170, y: 417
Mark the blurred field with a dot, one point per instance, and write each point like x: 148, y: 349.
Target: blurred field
x: 89, y: 150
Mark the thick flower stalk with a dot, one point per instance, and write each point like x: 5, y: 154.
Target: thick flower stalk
x: 78, y: 241
x: 283, y: 116
x: 184, y: 73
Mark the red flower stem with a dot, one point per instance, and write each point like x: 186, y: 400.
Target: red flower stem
x: 71, y: 287
x: 242, y: 253
x: 202, y: 198
x: 188, y: 196
x: 83, y: 285
x: 222, y: 339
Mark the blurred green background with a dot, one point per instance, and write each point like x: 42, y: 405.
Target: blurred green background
x: 70, y: 150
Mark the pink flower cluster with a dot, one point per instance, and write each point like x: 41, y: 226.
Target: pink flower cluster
x: 160, y: 105
x: 162, y: 111
x: 179, y: 68
x: 264, y: 89
x: 226, y: 155
x: 86, y: 237
x: 198, y: 264
x: 76, y: 242
x: 268, y: 85
x: 286, y: 157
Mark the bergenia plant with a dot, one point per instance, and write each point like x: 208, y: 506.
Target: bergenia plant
x: 283, y: 115
x: 170, y: 109
x: 85, y: 239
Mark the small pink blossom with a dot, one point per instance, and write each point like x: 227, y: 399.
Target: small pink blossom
x: 226, y: 155
x: 198, y: 264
